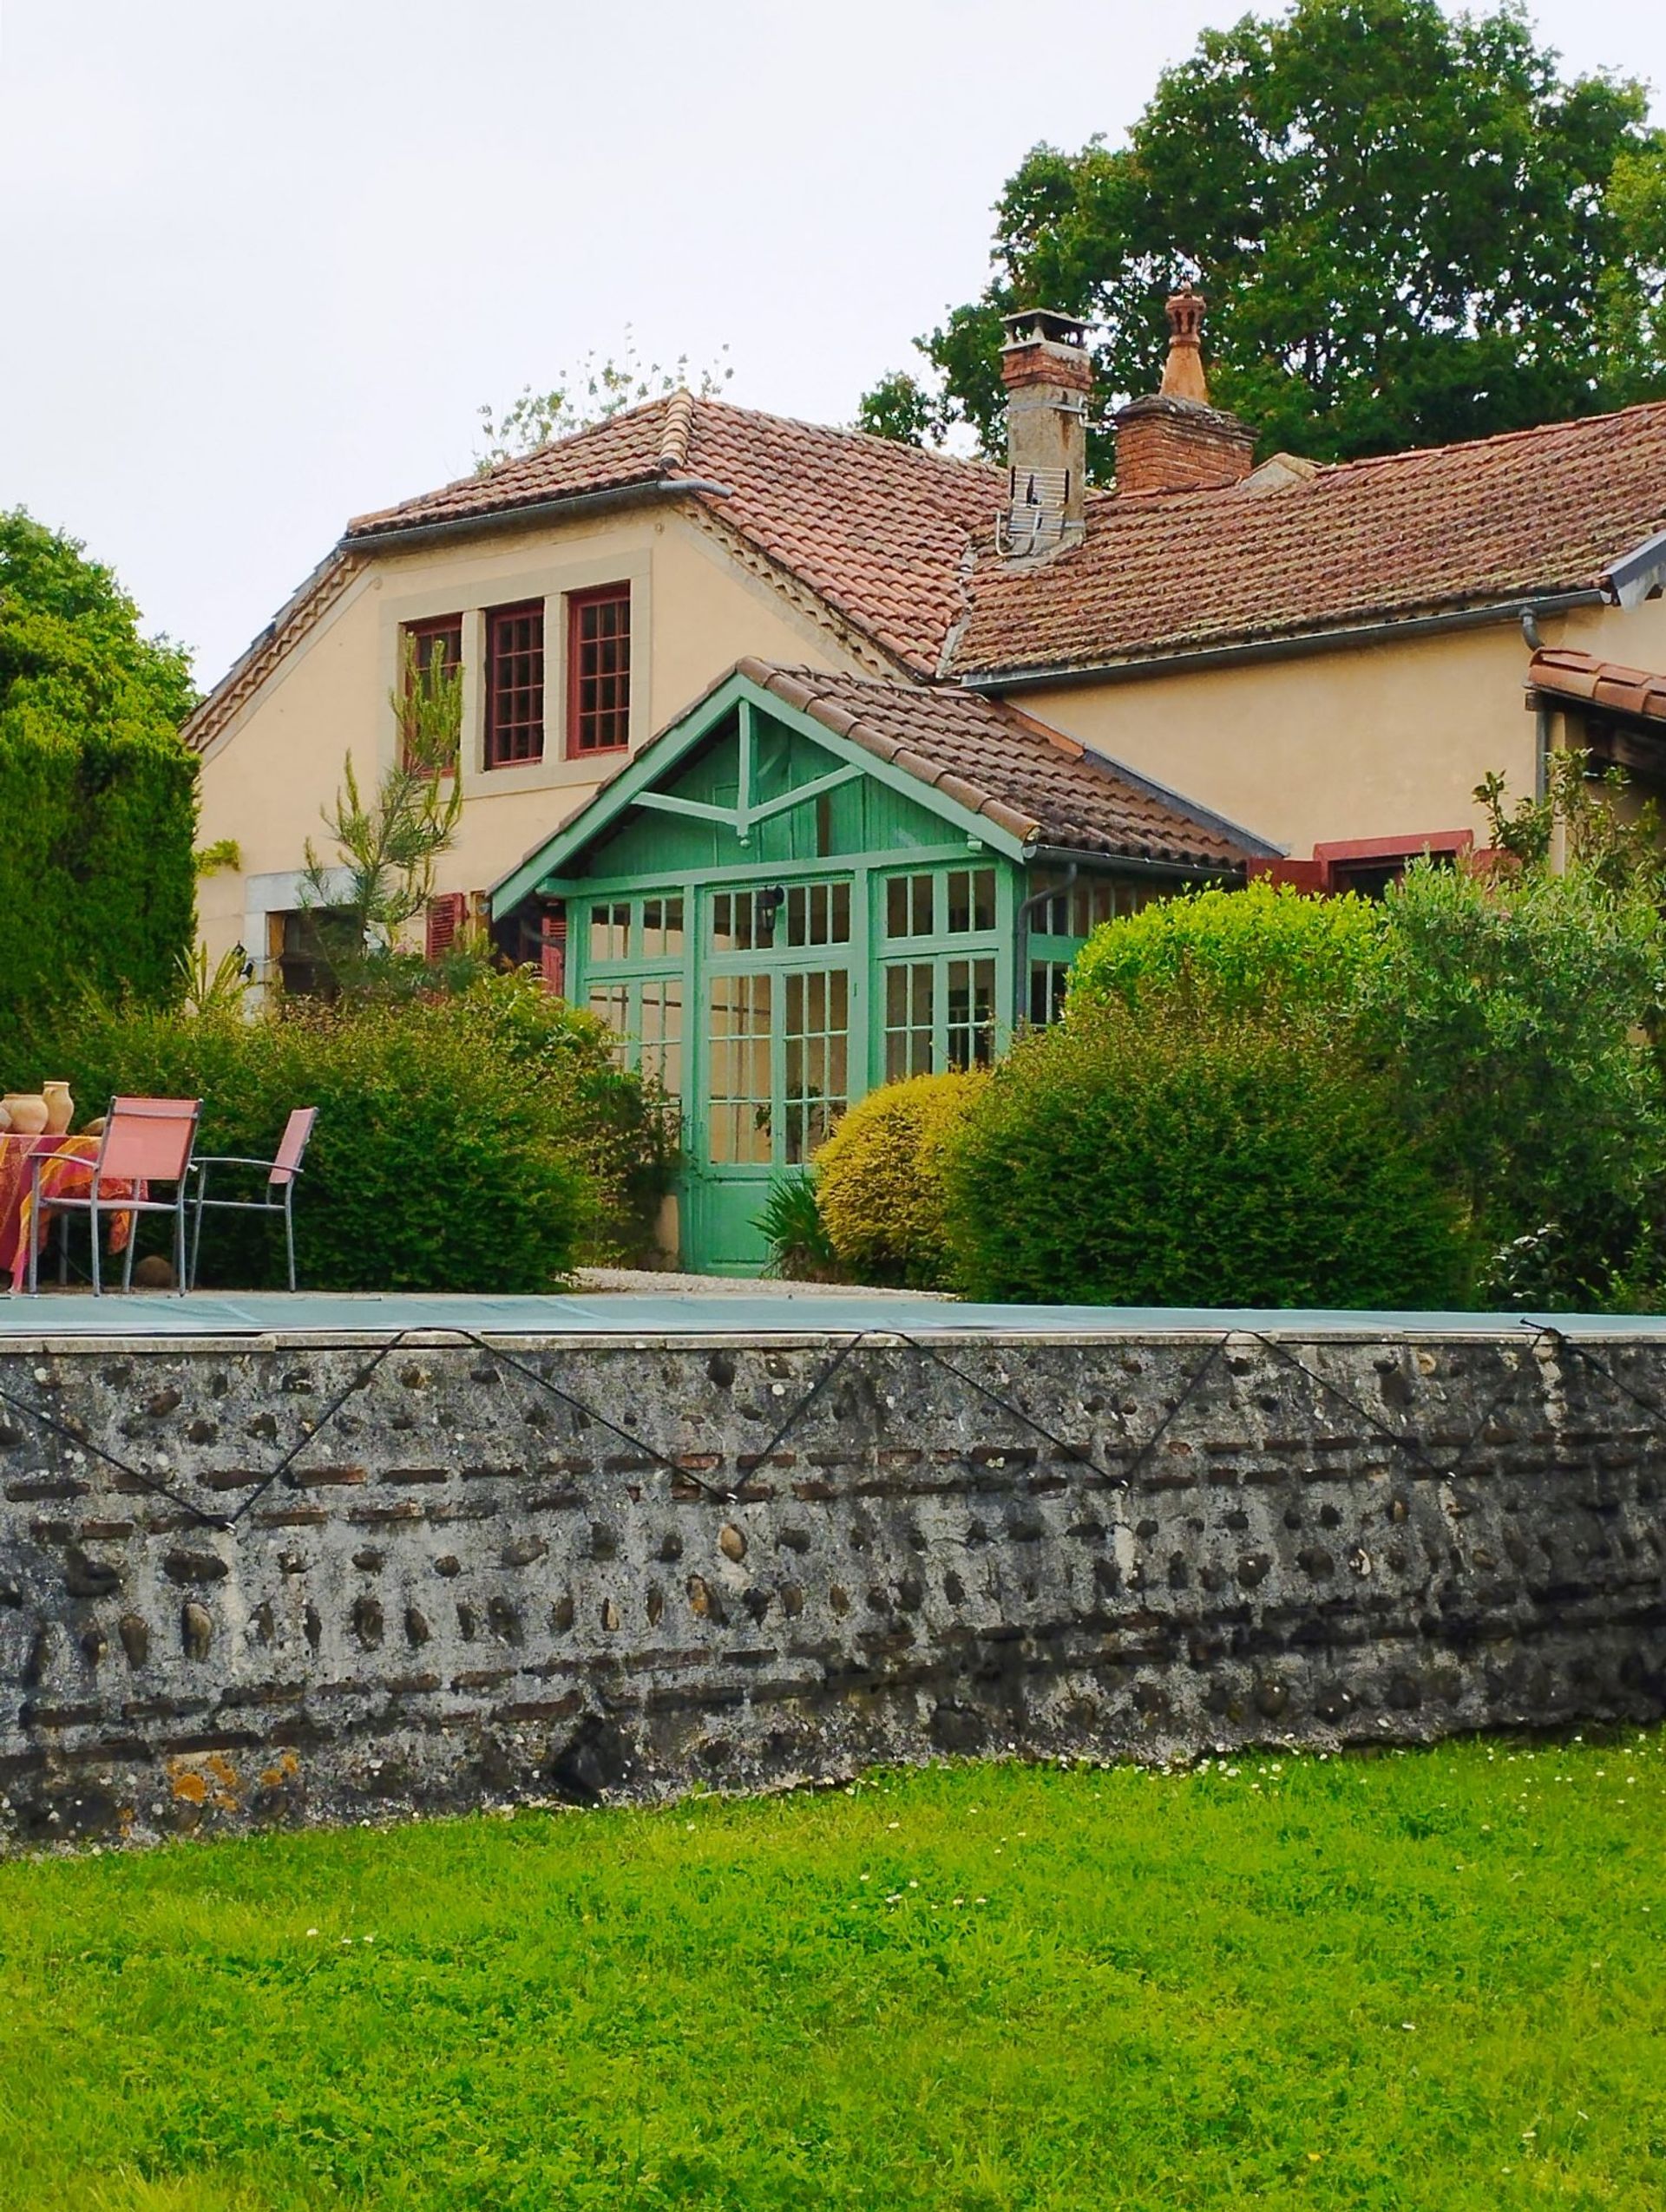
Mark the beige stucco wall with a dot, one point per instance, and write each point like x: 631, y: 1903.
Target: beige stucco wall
x: 695, y: 611
x: 1380, y: 741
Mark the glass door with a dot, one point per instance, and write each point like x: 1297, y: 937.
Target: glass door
x: 775, y: 1064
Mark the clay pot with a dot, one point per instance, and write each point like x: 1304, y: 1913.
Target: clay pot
x: 59, y: 1107
x: 5, y: 1121
x: 27, y: 1111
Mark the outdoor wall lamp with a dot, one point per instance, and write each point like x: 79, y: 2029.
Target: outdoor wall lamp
x: 771, y: 900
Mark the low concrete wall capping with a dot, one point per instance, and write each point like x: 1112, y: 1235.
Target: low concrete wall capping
x: 282, y: 1582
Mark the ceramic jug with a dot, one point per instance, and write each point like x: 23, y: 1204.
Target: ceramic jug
x: 59, y: 1107
x: 28, y: 1112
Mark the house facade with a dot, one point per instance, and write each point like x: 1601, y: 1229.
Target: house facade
x: 1310, y: 667
x: 588, y: 594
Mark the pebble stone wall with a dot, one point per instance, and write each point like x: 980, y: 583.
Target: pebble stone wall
x: 277, y: 1583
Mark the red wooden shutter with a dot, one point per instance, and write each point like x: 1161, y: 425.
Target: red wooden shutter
x: 446, y: 915
x: 552, y: 953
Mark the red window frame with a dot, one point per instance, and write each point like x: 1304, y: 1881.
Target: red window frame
x: 426, y: 634
x: 515, y: 684
x: 598, y: 672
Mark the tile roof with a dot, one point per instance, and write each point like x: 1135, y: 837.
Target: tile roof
x: 1568, y: 675
x: 1032, y: 780
x: 1438, y: 529
x: 878, y: 530
x: 896, y: 544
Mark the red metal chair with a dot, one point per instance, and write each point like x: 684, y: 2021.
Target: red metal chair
x: 146, y: 1141
x: 282, y: 1174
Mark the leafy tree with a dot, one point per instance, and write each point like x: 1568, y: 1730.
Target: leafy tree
x: 1410, y: 226
x: 71, y: 651
x: 390, y: 841
x: 595, y: 391
x: 900, y: 407
x: 1512, y: 1009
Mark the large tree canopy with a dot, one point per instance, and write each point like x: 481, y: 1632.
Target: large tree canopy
x: 72, y: 656
x: 1410, y: 229
x: 98, y: 796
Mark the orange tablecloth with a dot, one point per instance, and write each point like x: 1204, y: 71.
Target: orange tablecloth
x: 69, y: 1171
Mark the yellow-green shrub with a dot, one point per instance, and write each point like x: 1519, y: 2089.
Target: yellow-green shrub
x: 879, y: 1183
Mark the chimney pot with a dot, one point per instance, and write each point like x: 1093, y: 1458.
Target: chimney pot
x: 1173, y: 440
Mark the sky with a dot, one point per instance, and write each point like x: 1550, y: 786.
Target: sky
x: 264, y: 264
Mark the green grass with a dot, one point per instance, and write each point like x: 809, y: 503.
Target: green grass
x: 1429, y: 1980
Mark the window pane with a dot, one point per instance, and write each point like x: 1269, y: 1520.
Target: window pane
x: 908, y: 905
x: 818, y: 914
x: 739, y: 1085
x: 909, y: 998
x: 661, y: 1032
x: 1047, y: 982
x: 970, y: 996
x: 435, y: 649
x: 734, y: 922
x: 817, y: 1044
x: 662, y: 927
x: 610, y: 932
x: 515, y: 684
x: 971, y: 899
x: 599, y: 671
x: 611, y: 1001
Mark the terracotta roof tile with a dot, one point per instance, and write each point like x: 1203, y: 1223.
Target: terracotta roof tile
x: 881, y: 531
x: 1534, y: 512
x: 885, y: 536
x: 1565, y: 674
x: 1027, y: 778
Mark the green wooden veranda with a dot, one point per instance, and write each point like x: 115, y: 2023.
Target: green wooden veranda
x: 810, y: 884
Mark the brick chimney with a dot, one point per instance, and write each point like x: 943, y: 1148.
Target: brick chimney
x: 1049, y: 380
x: 1173, y: 440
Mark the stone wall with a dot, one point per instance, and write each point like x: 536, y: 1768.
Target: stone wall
x: 276, y: 1583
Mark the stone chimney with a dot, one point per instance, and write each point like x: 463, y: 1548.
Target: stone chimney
x: 1049, y: 380
x: 1173, y: 440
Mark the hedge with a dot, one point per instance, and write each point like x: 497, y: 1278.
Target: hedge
x: 1235, y: 951
x: 96, y: 882
x: 442, y: 1160
x: 1521, y: 1014
x: 97, y: 795
x: 1205, y: 1162
x: 879, y: 1188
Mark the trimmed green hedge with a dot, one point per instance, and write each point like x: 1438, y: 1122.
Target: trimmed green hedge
x: 98, y: 798
x: 441, y: 1161
x: 97, y: 888
x: 1236, y: 952
x: 1211, y: 1162
x: 879, y: 1181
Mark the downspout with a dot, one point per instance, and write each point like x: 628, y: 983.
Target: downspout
x: 1533, y: 638
x: 1022, y: 936
x: 1544, y: 730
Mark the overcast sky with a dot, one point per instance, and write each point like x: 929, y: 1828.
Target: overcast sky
x: 263, y: 264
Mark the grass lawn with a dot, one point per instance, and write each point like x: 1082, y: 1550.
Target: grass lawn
x: 1430, y: 1979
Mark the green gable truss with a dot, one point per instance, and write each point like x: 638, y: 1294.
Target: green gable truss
x: 810, y: 884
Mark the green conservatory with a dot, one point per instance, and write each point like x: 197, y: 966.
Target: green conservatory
x: 813, y: 884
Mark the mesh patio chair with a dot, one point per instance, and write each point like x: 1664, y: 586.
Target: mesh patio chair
x: 146, y: 1141
x: 282, y: 1174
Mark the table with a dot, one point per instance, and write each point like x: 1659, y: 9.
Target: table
x: 68, y: 1172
